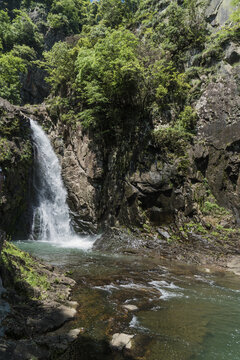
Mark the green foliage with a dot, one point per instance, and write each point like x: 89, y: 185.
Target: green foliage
x: 5, y: 150
x: 19, y: 41
x: 187, y: 119
x: 59, y: 63
x: 24, y: 31
x: 211, y: 208
x: 175, y: 138
x: 147, y: 228
x: 176, y: 29
x: 21, y: 266
x: 26, y: 152
x: 13, y: 250
x: 68, y: 15
x: 8, y: 129
x: 101, y: 73
x: 107, y: 75
x: 171, y: 140
x: 20, y: 31
x: 171, y: 86
x: 24, y: 52
x: 10, y: 69
x: 116, y: 12
x: 196, y: 227
x: 5, y: 29
x: 235, y: 17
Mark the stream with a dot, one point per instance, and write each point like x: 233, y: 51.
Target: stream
x: 184, y: 312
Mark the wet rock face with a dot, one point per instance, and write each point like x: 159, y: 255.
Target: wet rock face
x: 82, y: 173
x: 16, y: 167
x: 34, y: 87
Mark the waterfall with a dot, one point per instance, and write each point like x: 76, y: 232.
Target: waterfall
x: 51, y: 219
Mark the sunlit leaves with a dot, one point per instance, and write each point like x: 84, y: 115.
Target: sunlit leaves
x: 10, y: 69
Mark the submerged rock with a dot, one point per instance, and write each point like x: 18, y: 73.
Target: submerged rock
x: 130, y: 307
x: 121, y: 341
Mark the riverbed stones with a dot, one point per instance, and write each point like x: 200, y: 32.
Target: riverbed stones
x: 51, y: 317
x: 130, y: 307
x: 122, y: 341
x: 72, y: 304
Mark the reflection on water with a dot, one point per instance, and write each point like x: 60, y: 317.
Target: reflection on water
x: 184, y: 313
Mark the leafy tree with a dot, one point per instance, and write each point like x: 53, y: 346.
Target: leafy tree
x: 174, y: 27
x: 68, y: 15
x: 187, y: 119
x: 171, y: 86
x: 5, y: 29
x: 59, y: 63
x: 107, y: 78
x: 10, y: 69
x: 24, y: 52
x: 183, y: 27
x: 115, y: 12
x: 24, y: 31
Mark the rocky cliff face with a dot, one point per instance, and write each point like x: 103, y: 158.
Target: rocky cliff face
x: 219, y: 133
x: 15, y: 169
x: 137, y: 184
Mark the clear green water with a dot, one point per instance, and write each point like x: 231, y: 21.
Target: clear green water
x: 184, y: 312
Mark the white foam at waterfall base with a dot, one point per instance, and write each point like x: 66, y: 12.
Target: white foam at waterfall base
x: 51, y: 220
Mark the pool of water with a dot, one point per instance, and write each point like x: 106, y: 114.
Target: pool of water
x: 184, y: 312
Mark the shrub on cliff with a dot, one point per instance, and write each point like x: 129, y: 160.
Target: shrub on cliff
x: 107, y: 76
x: 68, y: 15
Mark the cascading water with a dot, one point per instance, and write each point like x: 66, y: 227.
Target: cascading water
x: 51, y: 220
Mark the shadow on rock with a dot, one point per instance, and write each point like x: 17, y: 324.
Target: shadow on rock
x: 86, y: 348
